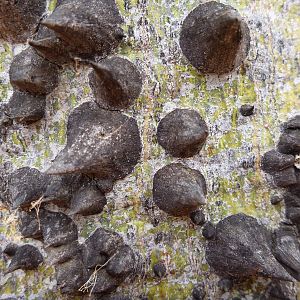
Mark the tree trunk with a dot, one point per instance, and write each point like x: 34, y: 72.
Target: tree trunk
x: 230, y: 160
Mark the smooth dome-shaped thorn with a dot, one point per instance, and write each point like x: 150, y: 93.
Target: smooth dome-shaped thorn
x: 289, y: 140
x: 116, y: 83
x: 88, y: 200
x: 287, y: 249
x: 33, y: 74
x: 26, y: 185
x: 26, y: 108
x: 10, y: 249
x: 182, y: 132
x: 58, y: 229
x: 178, y: 190
x: 214, y: 38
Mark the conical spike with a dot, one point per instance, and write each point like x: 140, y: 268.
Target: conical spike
x: 242, y: 248
x: 116, y: 83
x: 92, y: 134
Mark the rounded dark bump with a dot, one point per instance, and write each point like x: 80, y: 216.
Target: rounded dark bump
x: 178, y: 190
x: 114, y: 261
x: 292, y: 124
x: 104, y: 185
x: 276, y: 199
x: 29, y: 226
x: 247, y: 110
x: 182, y: 132
x: 225, y: 284
x: 91, y: 27
x: 71, y: 275
x: 289, y: 140
x: 122, y: 264
x: 50, y: 47
x: 26, y: 108
x: 25, y: 186
x: 281, y: 164
x: 58, y: 229
x: 159, y: 269
x: 88, y: 200
x: 209, y: 230
x: 61, y: 188
x: 61, y: 254
x: 287, y: 249
x: 104, y: 242
x: 105, y: 283
x: 295, y: 188
x: 197, y: 217
x: 10, y: 249
x: 292, y: 207
x: 53, y: 228
x: 198, y: 293
x: 274, y: 161
x: 285, y: 178
x: 77, y: 192
x: 214, y: 38
x: 280, y: 290
x: 104, y: 254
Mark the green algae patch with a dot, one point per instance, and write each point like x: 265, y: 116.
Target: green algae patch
x: 230, y: 140
x: 167, y: 290
x: 235, y: 200
x: 4, y: 89
x: 246, y: 91
x: 52, y: 5
x: 180, y: 261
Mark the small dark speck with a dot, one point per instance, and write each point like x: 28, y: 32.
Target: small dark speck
x: 275, y: 199
x: 247, y: 110
x: 159, y: 270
